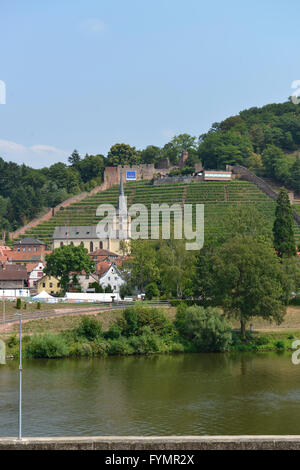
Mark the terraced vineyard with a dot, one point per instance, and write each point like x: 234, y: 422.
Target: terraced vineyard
x: 218, y: 197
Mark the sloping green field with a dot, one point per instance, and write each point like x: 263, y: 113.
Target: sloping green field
x: 217, y: 197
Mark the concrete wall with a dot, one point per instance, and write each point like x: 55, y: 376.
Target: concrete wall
x: 154, y: 443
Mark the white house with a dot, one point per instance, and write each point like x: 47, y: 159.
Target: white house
x: 112, y: 277
x: 34, y: 274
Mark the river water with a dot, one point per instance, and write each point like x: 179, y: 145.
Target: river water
x: 191, y: 394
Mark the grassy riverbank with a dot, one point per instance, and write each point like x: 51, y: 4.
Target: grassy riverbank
x: 140, y: 330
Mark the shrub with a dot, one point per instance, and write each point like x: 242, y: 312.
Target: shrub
x: 47, y: 346
x: 151, y: 291
x: 139, y: 316
x: 120, y: 347
x: 180, y: 316
x: 114, y: 331
x: 12, y: 341
x: 19, y: 304
x: 147, y: 342
x: 207, y: 329
x: 38, y: 305
x: 89, y: 328
x: 279, y: 344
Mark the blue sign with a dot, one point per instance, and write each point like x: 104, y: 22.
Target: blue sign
x: 131, y: 175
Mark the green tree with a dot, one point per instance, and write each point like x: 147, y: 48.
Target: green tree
x: 74, y: 158
x: 151, y: 154
x: 246, y: 279
x: 207, y: 328
x: 123, y: 154
x: 295, y: 175
x: 176, y: 265
x: 173, y: 149
x: 284, y: 239
x: 65, y: 260
x: 141, y: 268
x: 151, y: 290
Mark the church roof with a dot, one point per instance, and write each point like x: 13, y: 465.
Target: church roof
x: 79, y: 232
x: 29, y: 241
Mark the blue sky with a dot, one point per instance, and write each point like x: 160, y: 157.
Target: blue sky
x: 87, y: 74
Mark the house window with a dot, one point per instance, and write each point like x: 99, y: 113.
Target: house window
x: 91, y: 246
x: 44, y: 285
x: 35, y: 249
x: 87, y: 276
x: 100, y: 245
x: 29, y: 249
x: 51, y: 285
x: 115, y: 288
x: 61, y: 244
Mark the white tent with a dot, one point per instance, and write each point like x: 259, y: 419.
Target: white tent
x: 44, y: 296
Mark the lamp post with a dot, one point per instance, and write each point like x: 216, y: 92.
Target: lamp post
x: 3, y: 305
x: 20, y: 380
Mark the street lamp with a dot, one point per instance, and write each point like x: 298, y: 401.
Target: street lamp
x: 20, y: 379
x: 3, y: 305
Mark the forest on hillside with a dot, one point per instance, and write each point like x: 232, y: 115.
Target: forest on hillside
x: 266, y: 140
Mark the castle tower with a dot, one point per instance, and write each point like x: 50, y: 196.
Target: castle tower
x: 183, y: 158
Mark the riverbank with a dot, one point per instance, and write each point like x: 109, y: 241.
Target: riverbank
x: 122, y: 333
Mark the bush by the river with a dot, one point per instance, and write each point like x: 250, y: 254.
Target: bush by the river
x: 207, y: 328
x: 50, y: 345
x: 144, y: 330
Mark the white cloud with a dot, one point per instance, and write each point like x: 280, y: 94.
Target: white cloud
x: 36, y: 156
x: 93, y: 25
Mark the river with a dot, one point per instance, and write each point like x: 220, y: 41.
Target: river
x: 191, y: 394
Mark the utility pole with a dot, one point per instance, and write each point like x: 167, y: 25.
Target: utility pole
x: 3, y: 305
x: 20, y: 380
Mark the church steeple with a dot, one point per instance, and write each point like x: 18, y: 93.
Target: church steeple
x: 121, y: 192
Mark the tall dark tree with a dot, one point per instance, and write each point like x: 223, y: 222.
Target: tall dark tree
x: 284, y: 239
x: 74, y: 158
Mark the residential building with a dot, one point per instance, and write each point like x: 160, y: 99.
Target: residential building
x: 13, y: 277
x: 30, y: 245
x: 111, y: 276
x: 35, y: 272
x: 83, y: 281
x: 48, y: 284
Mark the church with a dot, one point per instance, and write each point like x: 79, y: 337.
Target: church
x: 87, y: 235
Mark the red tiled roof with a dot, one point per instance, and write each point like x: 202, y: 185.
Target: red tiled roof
x: 103, y: 253
x: 13, y: 273
x: 102, y: 267
x: 24, y: 256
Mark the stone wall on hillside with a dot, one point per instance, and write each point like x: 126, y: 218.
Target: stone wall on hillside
x: 143, y: 172
x: 246, y: 174
x: 51, y: 212
x: 178, y: 179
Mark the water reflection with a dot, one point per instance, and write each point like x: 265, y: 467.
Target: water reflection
x: 173, y: 394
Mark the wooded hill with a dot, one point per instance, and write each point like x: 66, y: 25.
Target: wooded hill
x: 266, y: 140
